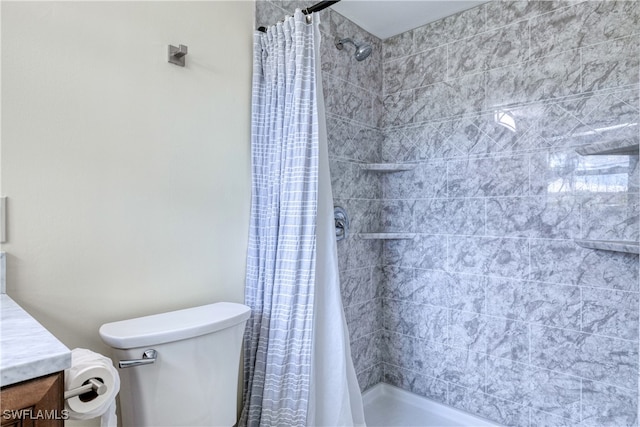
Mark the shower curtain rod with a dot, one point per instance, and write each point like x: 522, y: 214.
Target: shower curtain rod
x: 308, y: 11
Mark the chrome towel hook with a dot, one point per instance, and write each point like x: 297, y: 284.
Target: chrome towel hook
x: 177, y: 54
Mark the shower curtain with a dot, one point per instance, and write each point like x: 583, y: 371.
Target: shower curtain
x: 297, y: 366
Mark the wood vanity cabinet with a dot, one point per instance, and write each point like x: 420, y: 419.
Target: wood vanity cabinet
x: 38, y: 402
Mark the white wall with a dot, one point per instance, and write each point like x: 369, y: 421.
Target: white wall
x: 128, y: 177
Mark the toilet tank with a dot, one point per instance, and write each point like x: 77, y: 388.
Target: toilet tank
x: 194, y: 378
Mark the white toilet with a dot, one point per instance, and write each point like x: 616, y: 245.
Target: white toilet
x: 191, y: 377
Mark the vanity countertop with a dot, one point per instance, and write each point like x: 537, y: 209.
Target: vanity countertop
x: 27, y: 349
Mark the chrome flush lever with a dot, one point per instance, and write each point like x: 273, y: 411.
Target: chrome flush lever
x: 148, y: 358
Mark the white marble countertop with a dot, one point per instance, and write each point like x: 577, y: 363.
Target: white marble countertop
x: 27, y: 349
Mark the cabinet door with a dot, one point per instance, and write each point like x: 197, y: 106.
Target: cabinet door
x: 34, y: 403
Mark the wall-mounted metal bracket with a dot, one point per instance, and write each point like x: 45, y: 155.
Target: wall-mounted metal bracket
x: 177, y: 54
x: 3, y: 219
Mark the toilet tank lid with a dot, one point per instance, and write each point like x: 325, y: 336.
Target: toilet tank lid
x: 173, y: 326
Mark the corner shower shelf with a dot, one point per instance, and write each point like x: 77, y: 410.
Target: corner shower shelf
x: 387, y: 167
x: 621, y: 147
x: 388, y: 236
x: 610, y: 245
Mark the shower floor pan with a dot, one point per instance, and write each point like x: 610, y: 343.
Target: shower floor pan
x: 389, y: 406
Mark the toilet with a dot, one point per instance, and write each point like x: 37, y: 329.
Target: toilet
x: 179, y: 368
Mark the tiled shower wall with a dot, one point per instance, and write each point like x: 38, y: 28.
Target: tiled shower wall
x: 493, y: 308
x: 353, y: 107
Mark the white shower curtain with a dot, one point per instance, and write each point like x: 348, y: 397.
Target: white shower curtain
x: 335, y: 394
x: 294, y: 373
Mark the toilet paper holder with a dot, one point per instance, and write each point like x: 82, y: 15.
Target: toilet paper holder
x: 94, y: 384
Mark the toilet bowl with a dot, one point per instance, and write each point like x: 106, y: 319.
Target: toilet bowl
x: 191, y: 376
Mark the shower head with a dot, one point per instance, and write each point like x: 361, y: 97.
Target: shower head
x: 363, y: 50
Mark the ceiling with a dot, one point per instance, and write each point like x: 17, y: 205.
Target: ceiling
x: 386, y: 18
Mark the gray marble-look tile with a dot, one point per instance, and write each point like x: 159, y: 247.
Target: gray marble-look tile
x: 534, y: 80
x: 555, y: 125
x: 350, y: 181
x: 611, y: 217
x: 605, y: 174
x: 464, y: 216
x: 491, y: 49
x: 555, y: 393
x: 464, y: 95
x: 492, y: 176
x: 430, y: 143
x: 347, y: 100
x: 604, y: 405
x: 411, y: 72
x: 398, y: 349
x: 453, y: 27
x: 397, y: 46
x: 349, y: 140
x: 428, y: 36
x: 509, y: 380
x: 428, y: 387
x: 463, y: 367
x: 355, y: 253
x: 467, y: 331
x: 553, y: 172
x: 504, y: 257
x: 496, y: 337
x: 367, y: 351
x: 431, y: 287
x: 463, y: 24
x: 397, y: 282
x: 398, y: 147
x: 543, y: 419
x: 430, y: 321
x: 397, y: 216
x: 565, y: 262
x: 611, y: 64
x: 398, y: 108
x: 425, y: 180
x: 420, y: 321
x: 583, y: 24
x: 507, y: 338
x: 491, y: 407
x: 357, y: 286
x: 500, y: 13
x: 589, y: 356
x: 504, y: 135
x: 425, y: 251
x: 532, y: 302
x: 603, y: 117
x: 370, y: 377
x: 464, y: 292
x: 465, y: 138
x: 364, y: 319
x: 545, y: 217
x: 610, y: 312
x: 398, y: 317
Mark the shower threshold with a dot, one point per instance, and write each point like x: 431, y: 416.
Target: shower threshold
x: 389, y: 406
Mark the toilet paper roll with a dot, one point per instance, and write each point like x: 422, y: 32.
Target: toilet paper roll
x: 85, y: 364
